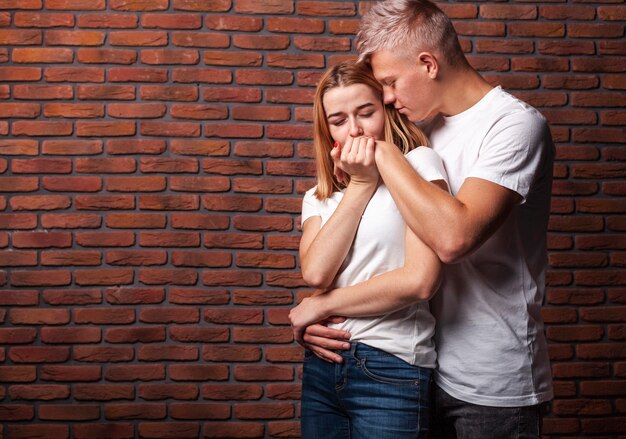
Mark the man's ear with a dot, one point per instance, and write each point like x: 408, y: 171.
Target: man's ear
x: 428, y: 62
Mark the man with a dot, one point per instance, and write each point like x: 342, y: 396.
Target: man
x: 493, y: 374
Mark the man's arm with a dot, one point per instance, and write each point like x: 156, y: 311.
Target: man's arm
x: 416, y: 280
x: 452, y: 226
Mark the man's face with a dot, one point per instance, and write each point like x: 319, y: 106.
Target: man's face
x: 406, y: 84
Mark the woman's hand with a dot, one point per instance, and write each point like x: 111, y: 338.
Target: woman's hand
x: 357, y: 159
x: 303, y: 315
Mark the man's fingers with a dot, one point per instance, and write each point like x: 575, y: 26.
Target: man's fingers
x: 326, y: 332
x: 324, y: 354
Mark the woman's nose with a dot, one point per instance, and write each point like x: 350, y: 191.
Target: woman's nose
x: 355, y: 129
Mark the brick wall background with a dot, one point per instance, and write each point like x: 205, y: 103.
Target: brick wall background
x: 153, y: 156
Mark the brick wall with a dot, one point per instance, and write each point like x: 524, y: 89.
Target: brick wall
x: 153, y: 156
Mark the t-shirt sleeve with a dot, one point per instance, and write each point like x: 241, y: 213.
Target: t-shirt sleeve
x: 513, y: 151
x: 310, y: 206
x: 427, y: 163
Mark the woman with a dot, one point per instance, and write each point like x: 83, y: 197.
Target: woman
x: 355, y: 239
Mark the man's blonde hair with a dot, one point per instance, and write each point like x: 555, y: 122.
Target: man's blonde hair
x: 409, y: 27
x: 397, y: 130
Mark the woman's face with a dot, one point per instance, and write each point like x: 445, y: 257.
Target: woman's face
x: 354, y: 110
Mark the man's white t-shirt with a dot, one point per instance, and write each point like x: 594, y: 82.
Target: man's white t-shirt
x: 489, y: 334
x: 378, y: 247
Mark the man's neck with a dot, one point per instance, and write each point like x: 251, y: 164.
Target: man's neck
x: 462, y: 89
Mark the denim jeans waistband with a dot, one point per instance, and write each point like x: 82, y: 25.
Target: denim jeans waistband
x: 360, y: 349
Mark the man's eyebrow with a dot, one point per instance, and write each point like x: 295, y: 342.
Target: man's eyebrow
x: 360, y: 107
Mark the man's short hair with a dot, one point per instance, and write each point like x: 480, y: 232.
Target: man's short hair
x: 409, y: 27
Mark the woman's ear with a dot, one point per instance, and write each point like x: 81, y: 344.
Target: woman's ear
x: 429, y: 64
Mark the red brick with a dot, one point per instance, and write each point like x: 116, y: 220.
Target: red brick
x: 39, y: 354
x: 167, y: 165
x: 103, y: 277
x: 135, y: 335
x: 40, y: 278
x: 233, y: 22
x: 19, y: 147
x: 167, y: 129
x: 112, y: 21
x: 295, y: 25
x: 165, y: 391
x: 19, y: 297
x: 232, y: 429
x: 483, y: 28
x: 135, y: 295
x: 18, y: 221
x: 39, y: 20
x: 105, y: 128
x: 74, y: 38
x: 75, y: 335
x: 232, y: 392
x: 122, y: 411
x: 261, y: 42
x: 200, y: 221
x: 138, y: 5
x: 17, y: 336
x: 325, y: 8
x: 201, y: 335
x: 169, y: 56
x: 103, y: 392
x: 198, y: 372
x: 136, y: 257
x: 132, y: 74
x: 263, y: 335
x: 264, y: 149
x: 212, y: 76
x: 75, y: 5
x: 169, y: 202
x: 12, y: 110
x: 102, y: 354
x: 141, y: 38
x: 74, y: 74
x: 106, y: 56
x: 70, y: 373
x: 263, y: 373
x: 104, y: 316
x: 200, y: 259
x: 262, y: 297
x: 104, y: 202
x: 231, y: 353
x: 71, y: 147
x: 231, y: 94
x: 233, y: 240
x: 198, y: 296
x: 117, y: 430
x: 143, y: 372
x: 135, y: 146
x: 43, y: 392
x: 169, y: 239
x: 231, y: 277
x: 42, y: 55
x: 170, y: 315
x: 269, y: 7
x: 18, y: 374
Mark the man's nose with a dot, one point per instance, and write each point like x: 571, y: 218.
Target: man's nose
x: 388, y: 96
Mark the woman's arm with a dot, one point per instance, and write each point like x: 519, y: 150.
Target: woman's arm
x: 324, y: 248
x: 415, y: 281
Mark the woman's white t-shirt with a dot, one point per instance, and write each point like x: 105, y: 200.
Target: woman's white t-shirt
x: 378, y: 247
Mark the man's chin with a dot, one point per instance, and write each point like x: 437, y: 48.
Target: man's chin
x: 422, y: 122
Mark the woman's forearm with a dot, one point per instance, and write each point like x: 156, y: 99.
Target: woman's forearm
x: 321, y: 258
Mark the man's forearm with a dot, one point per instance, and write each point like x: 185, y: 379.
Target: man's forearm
x: 433, y: 214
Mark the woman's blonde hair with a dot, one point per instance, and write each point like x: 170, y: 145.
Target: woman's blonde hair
x: 397, y: 130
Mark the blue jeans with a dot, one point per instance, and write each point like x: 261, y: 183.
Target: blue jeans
x: 456, y: 419
x: 372, y: 394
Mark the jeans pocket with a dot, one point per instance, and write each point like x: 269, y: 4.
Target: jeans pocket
x: 308, y: 354
x: 392, y: 370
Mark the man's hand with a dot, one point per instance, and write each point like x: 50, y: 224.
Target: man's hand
x: 307, y: 322
x: 322, y: 341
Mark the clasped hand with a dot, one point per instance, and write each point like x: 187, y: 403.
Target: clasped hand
x: 356, y: 159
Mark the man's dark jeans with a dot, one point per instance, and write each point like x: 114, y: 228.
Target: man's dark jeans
x: 455, y: 419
